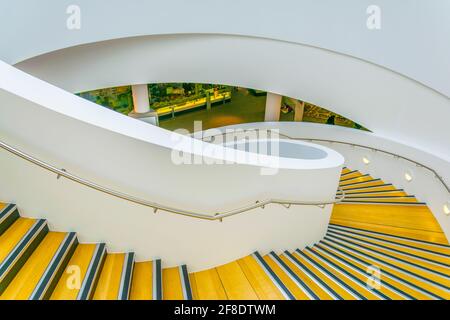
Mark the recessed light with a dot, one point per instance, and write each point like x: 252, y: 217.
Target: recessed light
x: 408, y: 176
x: 366, y: 160
x: 447, y: 208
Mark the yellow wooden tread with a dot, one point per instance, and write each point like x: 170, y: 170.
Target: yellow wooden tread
x: 142, y: 281
x: 69, y: 284
x: 235, y: 283
x: 172, y: 287
x: 400, y: 241
x: 206, y: 285
x: 407, y: 274
x: 109, y: 282
x: 363, y: 278
x: 405, y: 250
x: 25, y: 281
x: 331, y: 283
x: 259, y: 280
x: 416, y: 217
x: 322, y: 294
x: 12, y: 236
x: 383, y: 275
x: 296, y: 291
x: 351, y: 283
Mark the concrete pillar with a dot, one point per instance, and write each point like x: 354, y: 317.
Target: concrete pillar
x: 273, y: 107
x: 299, y: 108
x: 140, y: 98
x: 208, y: 101
x: 141, y: 103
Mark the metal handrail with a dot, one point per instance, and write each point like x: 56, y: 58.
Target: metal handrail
x: 439, y: 177
x: 156, y: 206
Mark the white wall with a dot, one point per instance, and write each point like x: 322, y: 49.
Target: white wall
x: 133, y: 157
x: 413, y: 39
x: 425, y: 186
x: 387, y: 103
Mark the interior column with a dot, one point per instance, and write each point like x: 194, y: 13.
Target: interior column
x: 273, y: 107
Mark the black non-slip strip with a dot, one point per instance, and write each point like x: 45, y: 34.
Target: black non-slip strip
x: 274, y: 276
x: 93, y: 273
x: 360, y: 182
x: 342, y: 233
x: 347, y: 173
x: 352, y: 254
x: 391, y: 235
x: 187, y: 283
x: 376, y: 191
x: 390, y: 241
x: 344, y: 272
x: 328, y: 245
x: 293, y: 275
x: 127, y: 276
x: 347, y: 196
x: 357, y: 177
x: 52, y: 268
x: 158, y: 283
x: 313, y: 275
x: 367, y: 187
x: 23, y: 243
x: 386, y: 202
x: 341, y: 282
x: 8, y: 216
x: 390, y: 264
x: 361, y: 271
x: 6, y: 210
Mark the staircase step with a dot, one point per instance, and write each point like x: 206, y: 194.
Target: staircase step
x: 207, y: 285
x: 8, y: 214
x: 321, y: 290
x: 390, y: 251
x: 346, y: 278
x: 328, y: 278
x: 378, y: 285
x: 388, y: 277
x: 81, y: 273
x: 142, y: 285
x: 413, y: 249
x: 17, y: 243
x: 34, y: 279
x: 115, y: 278
x: 401, y: 264
x: 264, y: 280
x: 176, y: 284
x: 438, y: 248
x: 235, y: 282
x: 411, y: 276
x: 355, y: 178
x: 294, y: 284
x: 368, y: 182
x: 56, y: 267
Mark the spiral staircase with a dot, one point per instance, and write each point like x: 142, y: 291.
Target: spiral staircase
x: 381, y: 243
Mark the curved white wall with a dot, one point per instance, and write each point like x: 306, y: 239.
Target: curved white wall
x: 133, y: 157
x: 389, y: 104
x: 413, y: 39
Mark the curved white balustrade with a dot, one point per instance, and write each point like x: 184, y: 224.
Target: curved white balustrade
x: 131, y: 156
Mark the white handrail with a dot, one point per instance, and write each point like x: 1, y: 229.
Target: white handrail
x: 439, y: 177
x: 156, y: 206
